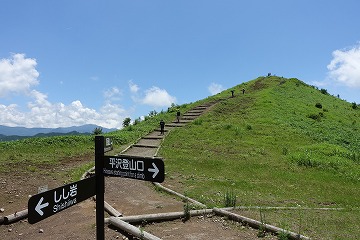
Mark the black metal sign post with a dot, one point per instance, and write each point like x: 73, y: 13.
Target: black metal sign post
x: 100, y: 187
x: 50, y: 202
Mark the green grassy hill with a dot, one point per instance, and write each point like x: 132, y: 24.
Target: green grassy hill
x: 282, y: 143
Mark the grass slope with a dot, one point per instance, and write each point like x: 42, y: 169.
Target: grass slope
x: 38, y: 155
x: 272, y: 146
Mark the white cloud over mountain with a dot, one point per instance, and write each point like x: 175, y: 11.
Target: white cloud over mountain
x: 344, y: 68
x: 18, y: 76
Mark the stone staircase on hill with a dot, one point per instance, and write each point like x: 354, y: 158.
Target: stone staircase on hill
x: 149, y: 145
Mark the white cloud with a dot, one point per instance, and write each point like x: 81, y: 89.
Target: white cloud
x: 153, y: 96
x: 112, y: 115
x: 42, y: 113
x: 133, y: 87
x: 40, y: 99
x: 319, y: 83
x: 17, y: 75
x: 113, y: 94
x: 157, y: 97
x: 215, y: 88
x: 134, y: 90
x: 345, y: 66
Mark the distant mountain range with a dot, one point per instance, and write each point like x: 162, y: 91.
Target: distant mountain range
x: 15, y: 133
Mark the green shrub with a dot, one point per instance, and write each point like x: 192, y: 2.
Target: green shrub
x: 314, y: 116
x: 283, y: 235
x: 324, y: 91
x: 230, y: 199
x: 126, y: 122
x: 354, y: 105
x: 187, y: 209
x: 318, y: 105
x: 98, y: 131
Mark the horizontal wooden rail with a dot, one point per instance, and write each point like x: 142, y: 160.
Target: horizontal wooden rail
x: 136, y: 232
x: 257, y: 224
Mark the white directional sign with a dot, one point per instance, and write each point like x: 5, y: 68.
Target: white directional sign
x: 154, y: 170
x: 48, y: 203
x: 140, y: 168
x: 40, y: 205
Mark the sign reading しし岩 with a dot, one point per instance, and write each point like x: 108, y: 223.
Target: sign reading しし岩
x: 48, y: 203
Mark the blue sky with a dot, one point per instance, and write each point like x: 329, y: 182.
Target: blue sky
x: 74, y: 62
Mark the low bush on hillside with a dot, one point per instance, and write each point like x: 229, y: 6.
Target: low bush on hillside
x: 324, y: 91
x: 354, y: 105
x: 318, y: 105
x: 315, y: 116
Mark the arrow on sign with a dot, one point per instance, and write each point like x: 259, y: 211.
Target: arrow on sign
x: 40, y: 206
x: 154, y: 170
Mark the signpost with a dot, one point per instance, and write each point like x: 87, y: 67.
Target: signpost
x: 100, y: 187
x: 48, y: 203
x: 144, y: 168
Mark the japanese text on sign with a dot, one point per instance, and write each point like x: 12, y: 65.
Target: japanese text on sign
x: 126, y: 164
x: 123, y: 167
x: 62, y: 199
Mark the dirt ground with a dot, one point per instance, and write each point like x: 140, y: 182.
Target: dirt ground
x: 128, y: 196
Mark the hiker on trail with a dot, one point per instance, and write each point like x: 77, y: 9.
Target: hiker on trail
x: 178, y: 115
x: 162, y: 126
x: 243, y: 90
x: 232, y: 93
